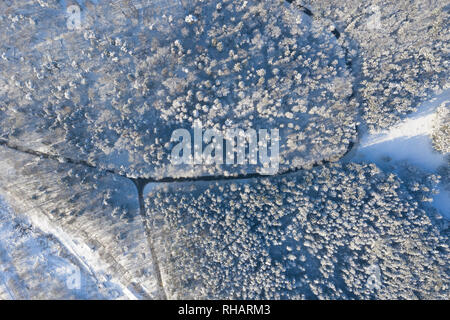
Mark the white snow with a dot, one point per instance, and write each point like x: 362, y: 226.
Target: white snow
x: 88, y: 261
x: 88, y: 258
x: 410, y: 141
x: 24, y: 250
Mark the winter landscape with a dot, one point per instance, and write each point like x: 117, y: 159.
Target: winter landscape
x: 224, y: 149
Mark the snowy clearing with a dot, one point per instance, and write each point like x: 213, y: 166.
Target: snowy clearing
x: 36, y: 264
x: 410, y: 141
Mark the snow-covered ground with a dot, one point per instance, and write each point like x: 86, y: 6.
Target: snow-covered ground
x: 43, y: 264
x: 410, y: 141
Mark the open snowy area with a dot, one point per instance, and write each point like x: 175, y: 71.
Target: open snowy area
x: 224, y: 149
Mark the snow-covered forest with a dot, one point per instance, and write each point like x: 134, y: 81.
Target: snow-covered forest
x: 92, y: 207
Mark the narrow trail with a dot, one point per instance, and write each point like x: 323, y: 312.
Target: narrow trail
x: 148, y: 233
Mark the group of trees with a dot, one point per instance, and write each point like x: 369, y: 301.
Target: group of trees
x: 399, y: 61
x: 314, y: 234
x: 113, y: 91
x: 441, y: 130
